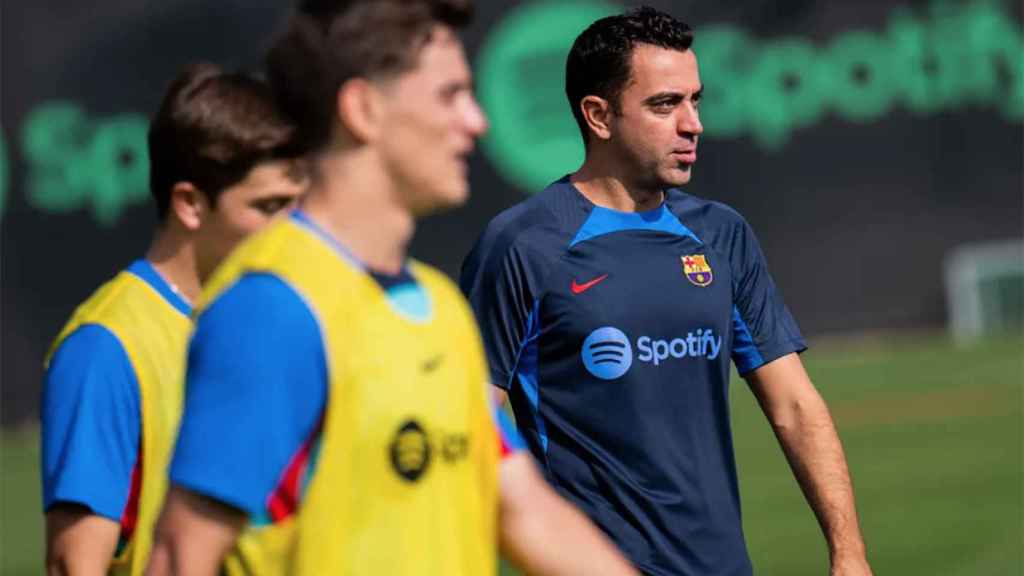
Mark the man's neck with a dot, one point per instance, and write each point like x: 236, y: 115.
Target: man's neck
x: 174, y: 259
x: 355, y: 203
x: 605, y: 186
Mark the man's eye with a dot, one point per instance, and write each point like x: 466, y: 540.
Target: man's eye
x: 448, y: 95
x: 270, y: 207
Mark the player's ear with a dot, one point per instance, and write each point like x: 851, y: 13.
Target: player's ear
x: 359, y: 109
x: 597, y: 113
x: 188, y: 205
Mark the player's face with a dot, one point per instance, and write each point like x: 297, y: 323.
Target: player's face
x: 269, y: 189
x: 657, y: 128
x: 432, y: 121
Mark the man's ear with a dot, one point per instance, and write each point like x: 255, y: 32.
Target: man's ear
x: 597, y: 113
x: 188, y: 205
x: 359, y: 106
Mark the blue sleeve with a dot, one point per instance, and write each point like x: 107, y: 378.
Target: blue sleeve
x: 90, y: 423
x: 763, y: 328
x: 256, y: 387
x: 502, y: 281
x: 511, y: 441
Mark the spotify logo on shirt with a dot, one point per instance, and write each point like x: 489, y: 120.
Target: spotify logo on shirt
x: 608, y: 354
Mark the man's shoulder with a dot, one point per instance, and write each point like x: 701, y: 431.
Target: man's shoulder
x: 115, y: 294
x: 281, y: 308
x: 120, y: 305
x: 90, y: 348
x: 712, y: 221
x: 542, y: 223
x: 711, y: 212
x: 525, y: 218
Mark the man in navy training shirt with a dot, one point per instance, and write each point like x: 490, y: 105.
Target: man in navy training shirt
x: 611, y: 304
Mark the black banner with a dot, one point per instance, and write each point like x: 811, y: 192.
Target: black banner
x: 863, y: 140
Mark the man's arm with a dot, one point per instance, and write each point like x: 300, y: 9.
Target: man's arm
x: 79, y: 542
x: 193, y: 535
x: 499, y: 396
x: 805, y: 430
x: 89, y: 445
x: 542, y: 534
x: 255, y: 389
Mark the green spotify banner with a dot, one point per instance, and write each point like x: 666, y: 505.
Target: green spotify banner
x: 863, y: 140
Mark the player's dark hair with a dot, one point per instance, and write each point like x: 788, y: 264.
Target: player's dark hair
x: 328, y: 42
x: 599, y: 61
x: 212, y: 128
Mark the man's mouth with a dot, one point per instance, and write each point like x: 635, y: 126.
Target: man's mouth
x: 685, y: 156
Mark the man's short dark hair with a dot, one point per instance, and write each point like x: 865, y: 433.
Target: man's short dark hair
x: 212, y: 128
x: 599, y: 61
x: 328, y: 42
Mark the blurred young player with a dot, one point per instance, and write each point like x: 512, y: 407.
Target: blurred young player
x: 611, y: 304
x: 112, y: 391
x: 337, y: 388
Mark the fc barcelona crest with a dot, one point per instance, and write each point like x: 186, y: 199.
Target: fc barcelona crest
x: 697, y: 270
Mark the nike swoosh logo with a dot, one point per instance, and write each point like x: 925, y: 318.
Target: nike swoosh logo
x: 581, y: 288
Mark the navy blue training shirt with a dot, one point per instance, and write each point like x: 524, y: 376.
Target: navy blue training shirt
x: 612, y: 333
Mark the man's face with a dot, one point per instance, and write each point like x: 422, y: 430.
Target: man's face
x: 432, y: 121
x: 657, y: 125
x: 269, y: 189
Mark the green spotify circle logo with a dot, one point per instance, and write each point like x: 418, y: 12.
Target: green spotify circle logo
x: 533, y: 138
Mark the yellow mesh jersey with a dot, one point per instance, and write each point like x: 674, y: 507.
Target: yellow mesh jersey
x: 406, y: 477
x: 154, y: 335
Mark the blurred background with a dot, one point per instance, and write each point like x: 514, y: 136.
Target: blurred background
x: 875, y: 146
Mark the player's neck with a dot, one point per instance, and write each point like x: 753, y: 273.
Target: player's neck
x: 607, y: 189
x: 355, y: 205
x: 175, y: 260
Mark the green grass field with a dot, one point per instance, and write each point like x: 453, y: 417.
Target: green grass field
x: 933, y: 435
